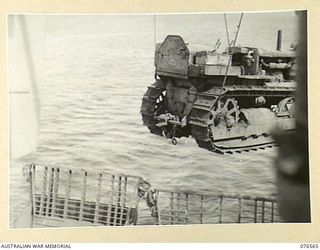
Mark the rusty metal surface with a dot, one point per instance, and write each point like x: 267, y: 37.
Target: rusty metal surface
x: 173, y: 56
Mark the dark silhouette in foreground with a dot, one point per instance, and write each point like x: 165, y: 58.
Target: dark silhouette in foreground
x: 292, y: 163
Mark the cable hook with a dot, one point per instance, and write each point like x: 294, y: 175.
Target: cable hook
x: 173, y: 132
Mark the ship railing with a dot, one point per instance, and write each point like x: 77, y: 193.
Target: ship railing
x: 65, y: 197
x: 62, y: 196
x: 185, y: 207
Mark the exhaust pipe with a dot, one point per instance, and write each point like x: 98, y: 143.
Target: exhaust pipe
x: 279, y: 40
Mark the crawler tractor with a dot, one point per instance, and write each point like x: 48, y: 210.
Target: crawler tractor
x: 228, y: 102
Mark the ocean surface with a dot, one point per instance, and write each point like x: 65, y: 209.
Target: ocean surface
x: 97, y: 68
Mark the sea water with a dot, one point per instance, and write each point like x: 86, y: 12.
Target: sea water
x: 97, y: 68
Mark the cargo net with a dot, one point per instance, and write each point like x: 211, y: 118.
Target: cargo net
x: 174, y: 208
x: 63, y: 197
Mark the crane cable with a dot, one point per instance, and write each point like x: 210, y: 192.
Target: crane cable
x: 227, y: 30
x: 230, y: 58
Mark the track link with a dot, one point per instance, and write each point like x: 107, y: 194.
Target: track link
x: 199, y: 118
x: 154, y: 100
x: 149, y: 106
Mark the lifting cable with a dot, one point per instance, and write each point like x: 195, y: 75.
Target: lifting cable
x: 227, y: 30
x: 232, y: 51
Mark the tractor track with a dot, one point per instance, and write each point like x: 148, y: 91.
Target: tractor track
x: 154, y: 98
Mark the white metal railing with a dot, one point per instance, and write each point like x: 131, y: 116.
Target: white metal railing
x: 66, y: 197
